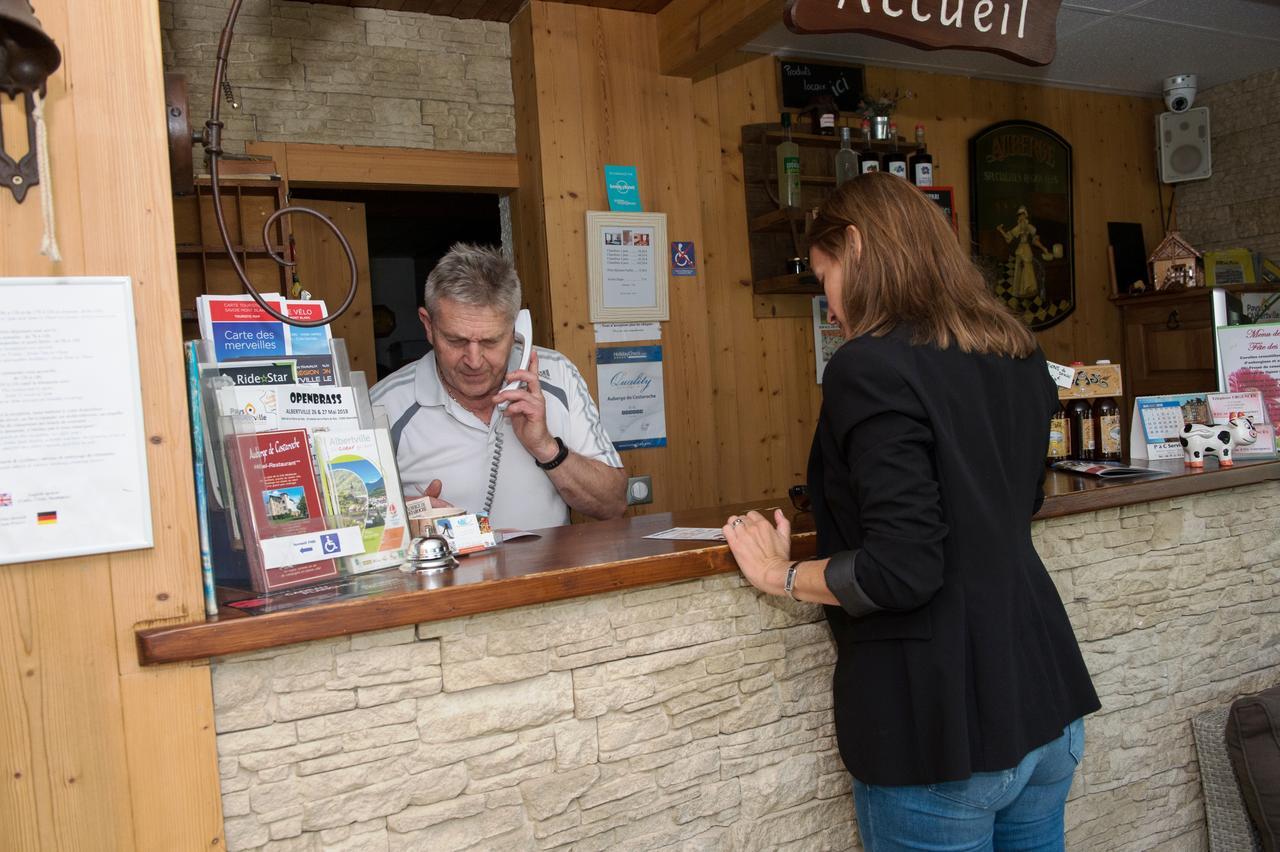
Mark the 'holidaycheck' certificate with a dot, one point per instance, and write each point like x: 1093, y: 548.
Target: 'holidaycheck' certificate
x: 632, y: 401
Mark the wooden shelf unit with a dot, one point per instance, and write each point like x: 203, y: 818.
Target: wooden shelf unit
x: 203, y: 265
x: 778, y: 234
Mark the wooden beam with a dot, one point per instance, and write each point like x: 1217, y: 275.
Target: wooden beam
x: 693, y: 35
x: 356, y: 167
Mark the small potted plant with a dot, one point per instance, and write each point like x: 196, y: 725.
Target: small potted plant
x: 878, y: 108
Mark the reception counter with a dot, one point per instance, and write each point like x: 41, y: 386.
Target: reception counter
x: 594, y: 689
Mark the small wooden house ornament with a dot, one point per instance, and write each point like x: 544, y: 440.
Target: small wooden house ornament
x: 1175, y: 265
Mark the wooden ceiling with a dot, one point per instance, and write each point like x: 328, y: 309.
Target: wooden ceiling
x: 488, y: 10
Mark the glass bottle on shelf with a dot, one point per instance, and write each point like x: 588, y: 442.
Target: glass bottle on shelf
x: 895, y: 162
x: 1059, y: 435
x: 870, y: 162
x: 921, y: 161
x: 823, y: 113
x: 847, y: 159
x: 788, y: 168
x: 1106, y: 422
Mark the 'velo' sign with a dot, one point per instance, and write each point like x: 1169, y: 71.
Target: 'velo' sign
x: 1025, y: 30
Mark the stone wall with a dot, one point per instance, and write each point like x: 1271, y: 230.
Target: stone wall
x: 1239, y: 206
x: 698, y: 715
x: 340, y: 75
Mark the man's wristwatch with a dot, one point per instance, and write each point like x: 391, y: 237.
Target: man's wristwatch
x: 559, y: 458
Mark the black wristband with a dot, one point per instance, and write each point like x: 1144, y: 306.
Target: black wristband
x: 558, y: 460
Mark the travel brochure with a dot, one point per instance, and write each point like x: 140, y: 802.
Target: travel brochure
x: 362, y: 489
x: 297, y: 487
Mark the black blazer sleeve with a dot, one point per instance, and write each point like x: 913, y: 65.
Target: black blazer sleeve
x: 885, y: 436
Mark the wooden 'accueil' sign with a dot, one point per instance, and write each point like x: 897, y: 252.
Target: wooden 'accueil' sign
x: 1025, y: 30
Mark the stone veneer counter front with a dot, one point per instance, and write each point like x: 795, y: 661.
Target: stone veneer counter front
x: 697, y: 713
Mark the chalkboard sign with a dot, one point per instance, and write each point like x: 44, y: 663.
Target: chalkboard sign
x: 800, y: 82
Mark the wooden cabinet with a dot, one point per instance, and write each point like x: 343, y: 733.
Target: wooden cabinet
x: 203, y: 265
x: 1168, y: 343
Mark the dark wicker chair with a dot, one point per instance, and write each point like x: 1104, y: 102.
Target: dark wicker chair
x: 1230, y: 829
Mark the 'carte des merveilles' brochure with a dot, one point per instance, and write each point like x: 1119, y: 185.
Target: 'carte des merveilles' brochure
x: 240, y: 329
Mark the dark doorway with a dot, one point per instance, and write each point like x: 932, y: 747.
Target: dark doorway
x: 408, y: 233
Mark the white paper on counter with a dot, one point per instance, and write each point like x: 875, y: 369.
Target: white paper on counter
x: 690, y: 534
x: 73, y: 461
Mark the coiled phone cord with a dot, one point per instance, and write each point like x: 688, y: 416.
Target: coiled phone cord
x: 493, y: 468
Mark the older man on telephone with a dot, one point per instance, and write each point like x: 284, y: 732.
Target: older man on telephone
x: 475, y: 428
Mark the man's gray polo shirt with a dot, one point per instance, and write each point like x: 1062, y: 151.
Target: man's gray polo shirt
x: 436, y: 438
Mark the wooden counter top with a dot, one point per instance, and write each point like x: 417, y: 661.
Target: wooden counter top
x: 588, y: 559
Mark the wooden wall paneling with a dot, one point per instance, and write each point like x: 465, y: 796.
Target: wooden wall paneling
x: 67, y: 783
x: 164, y: 706
x: 564, y: 178
x: 759, y: 364
x: 528, y: 219
x: 324, y: 271
x: 128, y: 224
x: 66, y: 649
x: 717, y: 249
x: 57, y: 643
x: 690, y: 419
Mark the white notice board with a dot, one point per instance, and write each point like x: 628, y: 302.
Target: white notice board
x: 73, y: 462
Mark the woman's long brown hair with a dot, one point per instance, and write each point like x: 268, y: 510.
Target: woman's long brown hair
x: 911, y: 271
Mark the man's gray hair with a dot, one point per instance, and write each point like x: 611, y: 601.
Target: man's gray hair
x: 480, y: 276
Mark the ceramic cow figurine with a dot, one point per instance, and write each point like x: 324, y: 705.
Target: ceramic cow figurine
x: 1199, y: 440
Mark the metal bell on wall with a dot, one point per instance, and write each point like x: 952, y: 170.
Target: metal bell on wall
x: 27, y: 57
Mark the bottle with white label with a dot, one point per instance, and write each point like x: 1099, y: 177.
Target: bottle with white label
x: 788, y: 168
x: 870, y: 160
x: 895, y: 162
x: 921, y: 161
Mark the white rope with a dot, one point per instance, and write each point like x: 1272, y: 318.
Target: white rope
x: 48, y: 245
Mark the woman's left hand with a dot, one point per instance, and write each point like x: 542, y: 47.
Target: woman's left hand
x: 762, y: 550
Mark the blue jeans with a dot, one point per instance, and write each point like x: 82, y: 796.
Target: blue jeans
x: 1014, y: 809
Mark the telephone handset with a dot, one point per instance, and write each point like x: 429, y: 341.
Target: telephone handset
x: 524, y: 336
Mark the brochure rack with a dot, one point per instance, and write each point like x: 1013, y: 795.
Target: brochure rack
x: 269, y: 520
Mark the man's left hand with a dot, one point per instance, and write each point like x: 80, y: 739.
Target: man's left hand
x: 527, y: 410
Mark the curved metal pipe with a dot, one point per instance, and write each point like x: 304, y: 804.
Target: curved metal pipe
x: 213, y: 150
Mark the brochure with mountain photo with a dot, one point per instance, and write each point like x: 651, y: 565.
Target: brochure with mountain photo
x: 362, y: 487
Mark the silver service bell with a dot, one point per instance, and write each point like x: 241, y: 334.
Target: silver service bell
x: 430, y: 554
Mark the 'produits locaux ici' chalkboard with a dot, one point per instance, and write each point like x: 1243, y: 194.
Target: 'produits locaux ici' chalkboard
x: 800, y: 82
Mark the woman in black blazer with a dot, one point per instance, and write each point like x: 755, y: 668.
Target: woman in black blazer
x: 959, y: 686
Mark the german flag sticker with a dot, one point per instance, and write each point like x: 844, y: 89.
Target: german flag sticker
x: 46, y: 517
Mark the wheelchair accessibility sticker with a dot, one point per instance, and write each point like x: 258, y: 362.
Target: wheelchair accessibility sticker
x: 683, y: 261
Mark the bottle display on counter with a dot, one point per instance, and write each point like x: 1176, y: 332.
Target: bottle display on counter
x: 921, y: 161
x: 870, y: 162
x: 847, y: 159
x: 1081, y: 429
x: 788, y: 167
x: 1059, y: 437
x: 895, y: 162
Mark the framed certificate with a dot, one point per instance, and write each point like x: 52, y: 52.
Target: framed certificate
x: 626, y: 266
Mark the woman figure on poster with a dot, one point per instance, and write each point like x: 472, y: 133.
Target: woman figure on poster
x: 1025, y: 283
x: 959, y: 687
